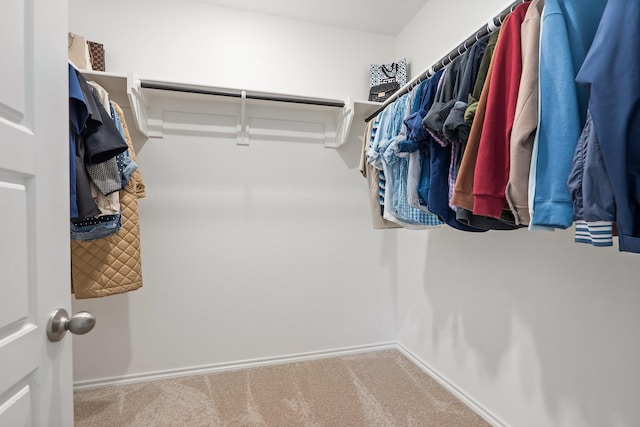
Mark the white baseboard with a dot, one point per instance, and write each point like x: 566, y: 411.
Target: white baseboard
x: 229, y: 366
x: 475, y: 406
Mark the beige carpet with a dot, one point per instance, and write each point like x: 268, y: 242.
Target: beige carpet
x: 372, y: 389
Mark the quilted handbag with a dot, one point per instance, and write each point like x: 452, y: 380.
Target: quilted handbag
x: 383, y: 91
x: 96, y: 55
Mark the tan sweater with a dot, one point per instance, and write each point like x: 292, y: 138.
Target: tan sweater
x: 526, y: 119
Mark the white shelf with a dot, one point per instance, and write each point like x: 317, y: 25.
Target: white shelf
x: 115, y: 84
x: 160, y: 107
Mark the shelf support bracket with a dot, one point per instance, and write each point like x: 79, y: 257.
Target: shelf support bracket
x: 147, y: 120
x: 243, y: 134
x: 344, y: 122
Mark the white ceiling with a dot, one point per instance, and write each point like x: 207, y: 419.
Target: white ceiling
x: 377, y: 16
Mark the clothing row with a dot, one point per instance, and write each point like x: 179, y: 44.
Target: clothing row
x: 105, y: 184
x: 536, y: 126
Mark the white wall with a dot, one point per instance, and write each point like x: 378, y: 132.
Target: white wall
x: 247, y: 252
x: 192, y: 42
x: 539, y: 330
x: 440, y: 26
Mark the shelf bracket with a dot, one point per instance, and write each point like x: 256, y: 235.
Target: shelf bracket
x: 149, y: 122
x: 344, y: 122
x: 137, y: 104
x: 243, y: 134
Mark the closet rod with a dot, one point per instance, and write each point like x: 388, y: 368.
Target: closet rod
x: 294, y: 100
x: 493, y: 25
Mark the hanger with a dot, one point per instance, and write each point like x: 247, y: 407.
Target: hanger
x: 449, y: 58
x: 430, y: 72
x: 491, y: 25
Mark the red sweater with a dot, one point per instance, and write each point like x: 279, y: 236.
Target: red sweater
x: 492, y: 167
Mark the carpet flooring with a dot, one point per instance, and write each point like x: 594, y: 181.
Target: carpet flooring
x: 380, y: 388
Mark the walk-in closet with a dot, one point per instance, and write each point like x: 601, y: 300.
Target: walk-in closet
x: 273, y: 242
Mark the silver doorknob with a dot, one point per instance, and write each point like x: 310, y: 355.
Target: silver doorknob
x: 60, y: 322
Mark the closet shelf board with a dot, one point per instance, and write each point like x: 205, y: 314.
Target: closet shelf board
x: 160, y: 107
x: 116, y: 85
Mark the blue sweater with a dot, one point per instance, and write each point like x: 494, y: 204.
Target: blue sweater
x: 568, y: 28
x: 612, y: 71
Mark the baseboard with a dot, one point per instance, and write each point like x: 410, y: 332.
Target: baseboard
x: 474, y: 405
x: 220, y: 367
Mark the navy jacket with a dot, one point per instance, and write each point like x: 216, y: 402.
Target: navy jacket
x: 612, y: 71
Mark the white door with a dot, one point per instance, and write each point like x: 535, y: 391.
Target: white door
x: 35, y: 374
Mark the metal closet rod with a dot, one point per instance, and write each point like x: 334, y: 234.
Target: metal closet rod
x: 449, y: 57
x: 292, y: 100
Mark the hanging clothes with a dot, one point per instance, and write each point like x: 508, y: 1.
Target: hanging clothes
x: 112, y: 265
x: 594, y: 207
x: 445, y: 99
x: 440, y: 152
x: 463, y: 188
x: 568, y: 29
x: 78, y: 115
x: 491, y: 173
x: 526, y: 117
x: 416, y: 143
x: 464, y: 215
x: 396, y: 170
x: 521, y: 148
x: 611, y: 70
x: 456, y: 129
x: 372, y: 174
x: 436, y: 119
x: 86, y: 206
x: 483, y: 71
x: 101, y: 141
